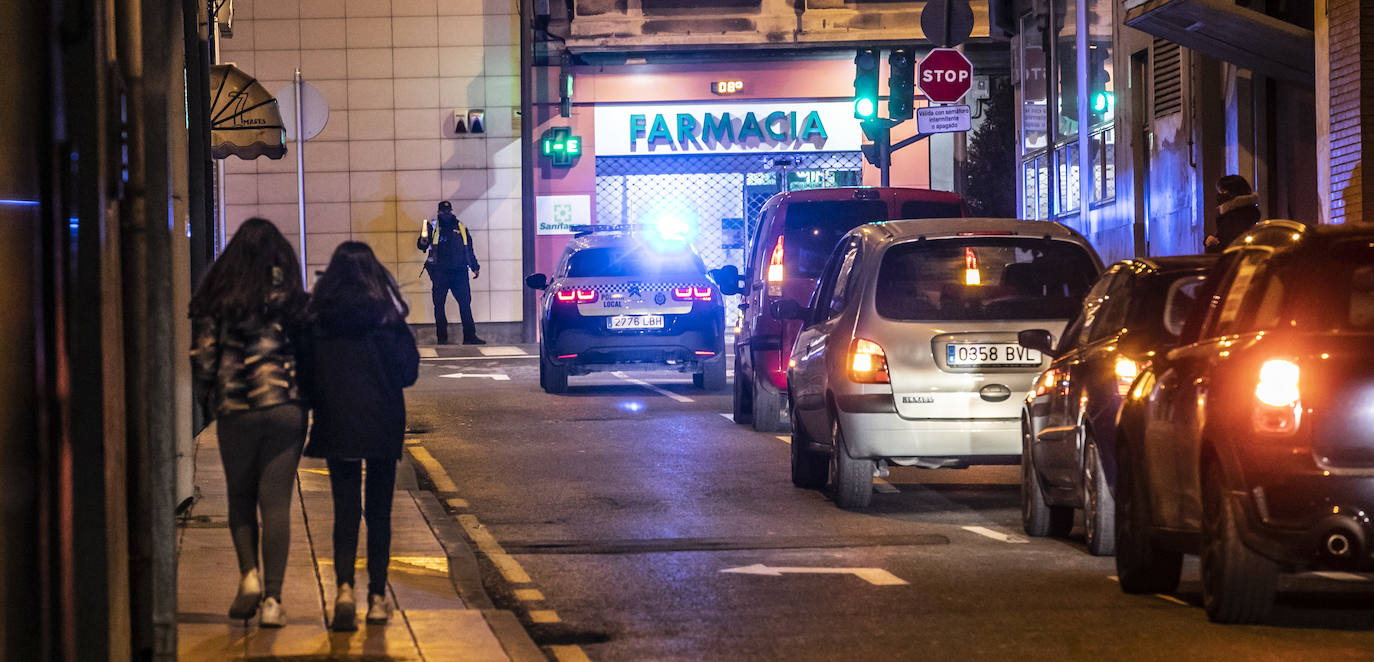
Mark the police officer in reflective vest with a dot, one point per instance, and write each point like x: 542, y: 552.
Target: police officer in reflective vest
x: 450, y: 256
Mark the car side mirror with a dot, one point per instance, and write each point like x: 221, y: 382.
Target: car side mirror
x: 1037, y: 339
x: 727, y: 278
x: 536, y: 281
x: 787, y: 309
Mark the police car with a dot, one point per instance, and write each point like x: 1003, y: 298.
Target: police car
x: 622, y: 298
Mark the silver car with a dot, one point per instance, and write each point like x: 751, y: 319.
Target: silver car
x: 908, y: 351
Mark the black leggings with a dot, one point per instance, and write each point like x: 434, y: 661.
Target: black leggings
x: 260, y: 450
x: 345, y: 480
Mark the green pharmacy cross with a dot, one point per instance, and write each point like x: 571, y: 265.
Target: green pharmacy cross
x: 560, y: 146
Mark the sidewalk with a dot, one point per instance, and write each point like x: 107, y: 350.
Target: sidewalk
x: 431, y: 622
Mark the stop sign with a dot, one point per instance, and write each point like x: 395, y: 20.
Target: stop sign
x: 945, y: 75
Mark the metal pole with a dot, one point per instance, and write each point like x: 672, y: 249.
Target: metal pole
x: 528, y: 211
x: 221, y: 202
x: 885, y: 156
x: 300, y: 171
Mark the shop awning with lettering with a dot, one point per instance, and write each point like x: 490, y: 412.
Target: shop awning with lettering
x: 244, y: 118
x: 1226, y: 31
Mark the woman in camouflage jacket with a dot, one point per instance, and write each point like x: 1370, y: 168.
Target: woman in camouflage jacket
x: 246, y: 319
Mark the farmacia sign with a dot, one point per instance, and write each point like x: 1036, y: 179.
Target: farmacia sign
x: 623, y: 130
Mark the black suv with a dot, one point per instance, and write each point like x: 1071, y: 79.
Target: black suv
x: 1252, y: 443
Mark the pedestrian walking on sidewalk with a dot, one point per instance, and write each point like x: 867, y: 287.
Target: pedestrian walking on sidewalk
x: 360, y: 356
x: 451, y: 255
x: 247, y: 317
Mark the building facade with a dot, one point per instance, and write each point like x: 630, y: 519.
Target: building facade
x: 397, y: 75
x: 1126, y: 120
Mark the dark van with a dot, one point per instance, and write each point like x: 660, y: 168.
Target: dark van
x: 796, y: 233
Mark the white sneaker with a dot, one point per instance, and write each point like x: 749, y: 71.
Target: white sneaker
x: 246, y: 602
x: 345, y: 610
x: 273, y: 615
x: 378, y: 610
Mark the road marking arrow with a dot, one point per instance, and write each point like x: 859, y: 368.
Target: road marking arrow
x: 460, y: 375
x: 995, y: 535
x: 875, y: 576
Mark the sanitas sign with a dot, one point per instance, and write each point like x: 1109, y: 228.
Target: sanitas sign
x: 713, y: 128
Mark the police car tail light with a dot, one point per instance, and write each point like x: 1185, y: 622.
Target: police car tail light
x: 576, y: 296
x: 868, y: 363
x: 693, y: 293
x: 1278, y: 409
x: 775, y: 263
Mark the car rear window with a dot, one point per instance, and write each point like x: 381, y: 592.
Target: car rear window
x: 813, y: 229
x: 983, y: 278
x: 1340, y: 292
x: 931, y: 209
x: 633, y: 261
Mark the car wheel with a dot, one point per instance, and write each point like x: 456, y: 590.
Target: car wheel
x: 1099, y: 508
x: 553, y: 377
x: 712, y: 376
x: 851, y: 479
x: 767, y: 409
x: 1038, y: 517
x: 809, y: 468
x: 1238, y: 585
x: 1141, y: 566
x: 743, y: 400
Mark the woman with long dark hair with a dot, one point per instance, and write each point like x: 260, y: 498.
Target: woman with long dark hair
x: 246, y: 318
x: 361, y: 355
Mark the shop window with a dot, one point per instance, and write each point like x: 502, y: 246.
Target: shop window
x: 1066, y: 175
x: 1101, y: 87
x: 1104, y: 165
x: 1065, y: 14
x: 1034, y: 127
x: 1036, y: 176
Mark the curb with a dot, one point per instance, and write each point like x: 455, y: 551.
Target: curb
x: 466, y: 576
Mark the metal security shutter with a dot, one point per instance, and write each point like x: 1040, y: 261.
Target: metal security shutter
x: 1166, y: 76
x: 718, y: 195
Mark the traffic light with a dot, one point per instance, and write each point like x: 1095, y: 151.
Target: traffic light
x: 866, y: 84
x: 901, y: 83
x: 565, y: 86
x: 1102, y: 103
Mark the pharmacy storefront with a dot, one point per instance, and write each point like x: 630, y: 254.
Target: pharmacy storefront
x: 701, y: 156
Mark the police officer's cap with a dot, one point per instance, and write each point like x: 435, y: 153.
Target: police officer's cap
x: 445, y: 205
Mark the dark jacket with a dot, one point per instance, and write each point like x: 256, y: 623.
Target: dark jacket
x: 450, y: 246
x: 354, y: 371
x: 1235, y: 217
x: 247, y: 364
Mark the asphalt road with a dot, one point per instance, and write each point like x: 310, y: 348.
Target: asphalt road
x: 651, y: 527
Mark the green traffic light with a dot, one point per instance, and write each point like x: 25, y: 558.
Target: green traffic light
x: 1102, y: 101
x: 865, y: 107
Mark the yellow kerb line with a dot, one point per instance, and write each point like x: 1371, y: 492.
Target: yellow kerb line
x: 437, y: 475
x: 544, y: 616
x: 509, y: 567
x: 529, y: 594
x: 569, y: 654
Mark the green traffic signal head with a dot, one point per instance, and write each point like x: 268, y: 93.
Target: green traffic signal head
x: 865, y: 108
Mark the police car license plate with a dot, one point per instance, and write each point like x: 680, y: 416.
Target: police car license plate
x: 990, y: 354
x: 635, y: 322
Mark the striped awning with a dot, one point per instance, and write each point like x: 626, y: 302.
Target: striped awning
x: 244, y: 118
